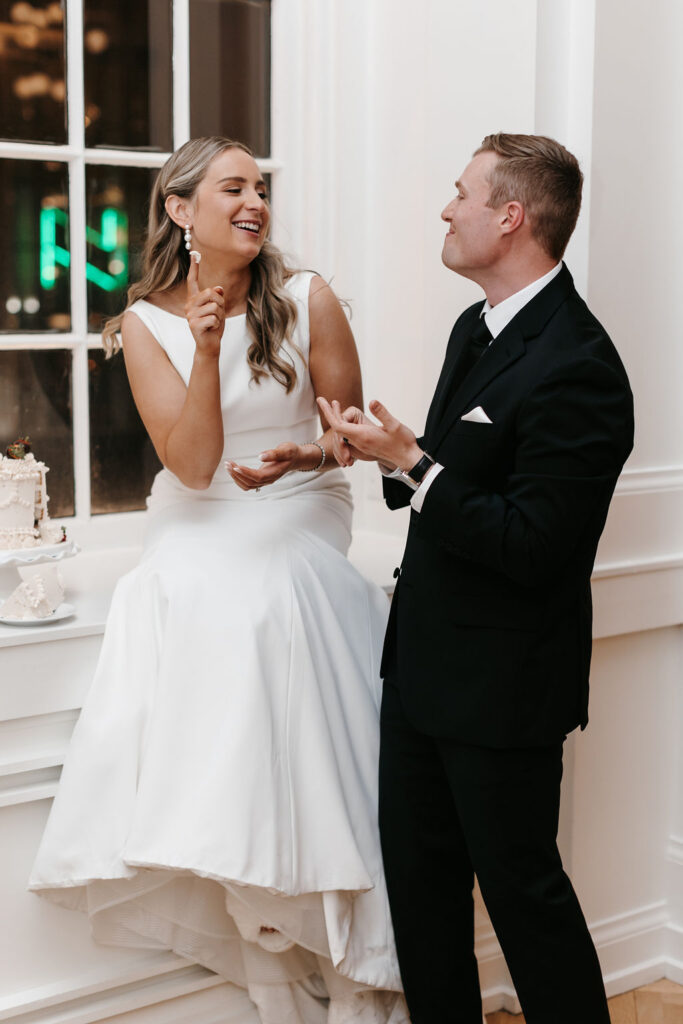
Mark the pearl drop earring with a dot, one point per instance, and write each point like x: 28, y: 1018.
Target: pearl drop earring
x: 188, y: 237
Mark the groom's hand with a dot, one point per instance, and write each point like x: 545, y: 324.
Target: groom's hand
x: 390, y: 442
x: 344, y: 452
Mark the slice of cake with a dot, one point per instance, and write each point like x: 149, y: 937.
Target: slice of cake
x: 24, y: 522
x: 38, y: 595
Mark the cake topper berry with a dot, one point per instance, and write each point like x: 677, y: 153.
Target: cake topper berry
x: 19, y: 449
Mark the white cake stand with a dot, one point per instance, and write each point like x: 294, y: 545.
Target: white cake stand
x: 11, y: 560
x: 41, y: 553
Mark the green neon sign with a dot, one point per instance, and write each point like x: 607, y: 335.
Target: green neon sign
x: 112, y: 239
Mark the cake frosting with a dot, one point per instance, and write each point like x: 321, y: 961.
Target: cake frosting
x: 24, y: 522
x: 38, y: 595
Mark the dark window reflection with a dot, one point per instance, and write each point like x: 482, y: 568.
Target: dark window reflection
x: 123, y: 462
x: 117, y: 207
x: 34, y: 256
x: 127, y: 65
x: 230, y: 71
x: 32, y: 76
x: 35, y: 399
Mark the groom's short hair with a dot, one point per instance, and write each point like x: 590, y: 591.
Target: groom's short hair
x: 544, y: 177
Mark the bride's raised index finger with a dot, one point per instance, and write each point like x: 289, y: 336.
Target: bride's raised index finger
x: 326, y: 409
x: 193, y: 276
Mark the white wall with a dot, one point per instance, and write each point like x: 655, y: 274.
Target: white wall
x: 413, y: 90
x: 636, y: 259
x: 636, y: 266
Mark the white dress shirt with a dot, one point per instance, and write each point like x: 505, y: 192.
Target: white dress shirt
x: 496, y: 318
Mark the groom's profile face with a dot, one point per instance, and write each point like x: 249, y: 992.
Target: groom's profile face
x: 471, y: 243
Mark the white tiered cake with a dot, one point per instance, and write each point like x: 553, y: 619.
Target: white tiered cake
x: 24, y: 522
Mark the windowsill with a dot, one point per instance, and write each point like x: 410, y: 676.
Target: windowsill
x: 90, y: 578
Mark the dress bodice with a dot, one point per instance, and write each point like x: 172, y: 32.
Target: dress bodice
x: 256, y: 415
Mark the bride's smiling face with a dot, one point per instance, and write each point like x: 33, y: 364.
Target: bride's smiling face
x: 230, y: 212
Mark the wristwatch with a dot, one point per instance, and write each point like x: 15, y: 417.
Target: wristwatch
x: 420, y: 469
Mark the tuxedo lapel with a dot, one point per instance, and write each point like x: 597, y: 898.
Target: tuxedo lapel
x: 507, y: 348
x: 455, y: 354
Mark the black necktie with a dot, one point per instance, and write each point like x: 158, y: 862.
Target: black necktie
x: 477, y: 343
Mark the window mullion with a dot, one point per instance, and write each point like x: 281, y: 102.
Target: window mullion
x: 74, y: 74
x: 124, y: 158
x: 12, y: 342
x: 34, y: 151
x: 81, y: 427
x: 77, y: 247
x: 181, y: 72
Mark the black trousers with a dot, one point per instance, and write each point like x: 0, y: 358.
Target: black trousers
x: 448, y: 811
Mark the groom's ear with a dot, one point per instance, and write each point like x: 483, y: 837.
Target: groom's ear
x: 512, y: 216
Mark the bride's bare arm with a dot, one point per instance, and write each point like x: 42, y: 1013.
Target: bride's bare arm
x: 184, y: 423
x: 333, y: 359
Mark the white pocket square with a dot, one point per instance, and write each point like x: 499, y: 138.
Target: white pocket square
x: 476, y: 416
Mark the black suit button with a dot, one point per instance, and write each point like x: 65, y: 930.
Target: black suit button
x: 397, y: 573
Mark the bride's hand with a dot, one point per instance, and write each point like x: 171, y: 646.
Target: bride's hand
x: 205, y: 312
x: 276, y: 462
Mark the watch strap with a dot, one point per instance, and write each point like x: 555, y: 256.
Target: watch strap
x: 420, y: 469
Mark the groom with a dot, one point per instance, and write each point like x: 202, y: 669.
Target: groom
x: 487, y: 652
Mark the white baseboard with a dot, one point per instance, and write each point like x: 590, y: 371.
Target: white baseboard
x: 217, y: 1003
x: 674, y: 954
x: 635, y: 948
x: 87, y: 999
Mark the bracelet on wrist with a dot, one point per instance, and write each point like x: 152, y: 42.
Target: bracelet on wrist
x: 323, y: 456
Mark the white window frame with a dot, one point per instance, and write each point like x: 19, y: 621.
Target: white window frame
x: 78, y: 157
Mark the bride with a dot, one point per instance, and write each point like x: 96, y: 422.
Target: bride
x: 219, y: 798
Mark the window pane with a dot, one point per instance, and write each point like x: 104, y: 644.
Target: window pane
x: 34, y: 256
x: 230, y: 71
x: 123, y: 462
x: 127, y: 65
x: 35, y: 399
x: 32, y: 89
x: 117, y: 205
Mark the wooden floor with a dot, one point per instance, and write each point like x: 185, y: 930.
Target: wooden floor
x: 660, y: 1003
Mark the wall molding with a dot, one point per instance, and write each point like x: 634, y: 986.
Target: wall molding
x: 650, y: 480
x: 635, y: 566
x: 674, y: 849
x: 620, y: 927
x: 28, y: 786
x: 155, y: 980
x: 33, y: 750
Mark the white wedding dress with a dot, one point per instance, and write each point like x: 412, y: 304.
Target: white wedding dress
x: 222, y: 777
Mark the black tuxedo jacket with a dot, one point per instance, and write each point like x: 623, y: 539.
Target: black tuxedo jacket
x: 489, y: 637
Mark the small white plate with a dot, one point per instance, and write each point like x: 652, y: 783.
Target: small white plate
x: 63, y: 612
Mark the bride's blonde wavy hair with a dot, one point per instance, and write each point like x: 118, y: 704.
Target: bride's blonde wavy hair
x: 271, y: 311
